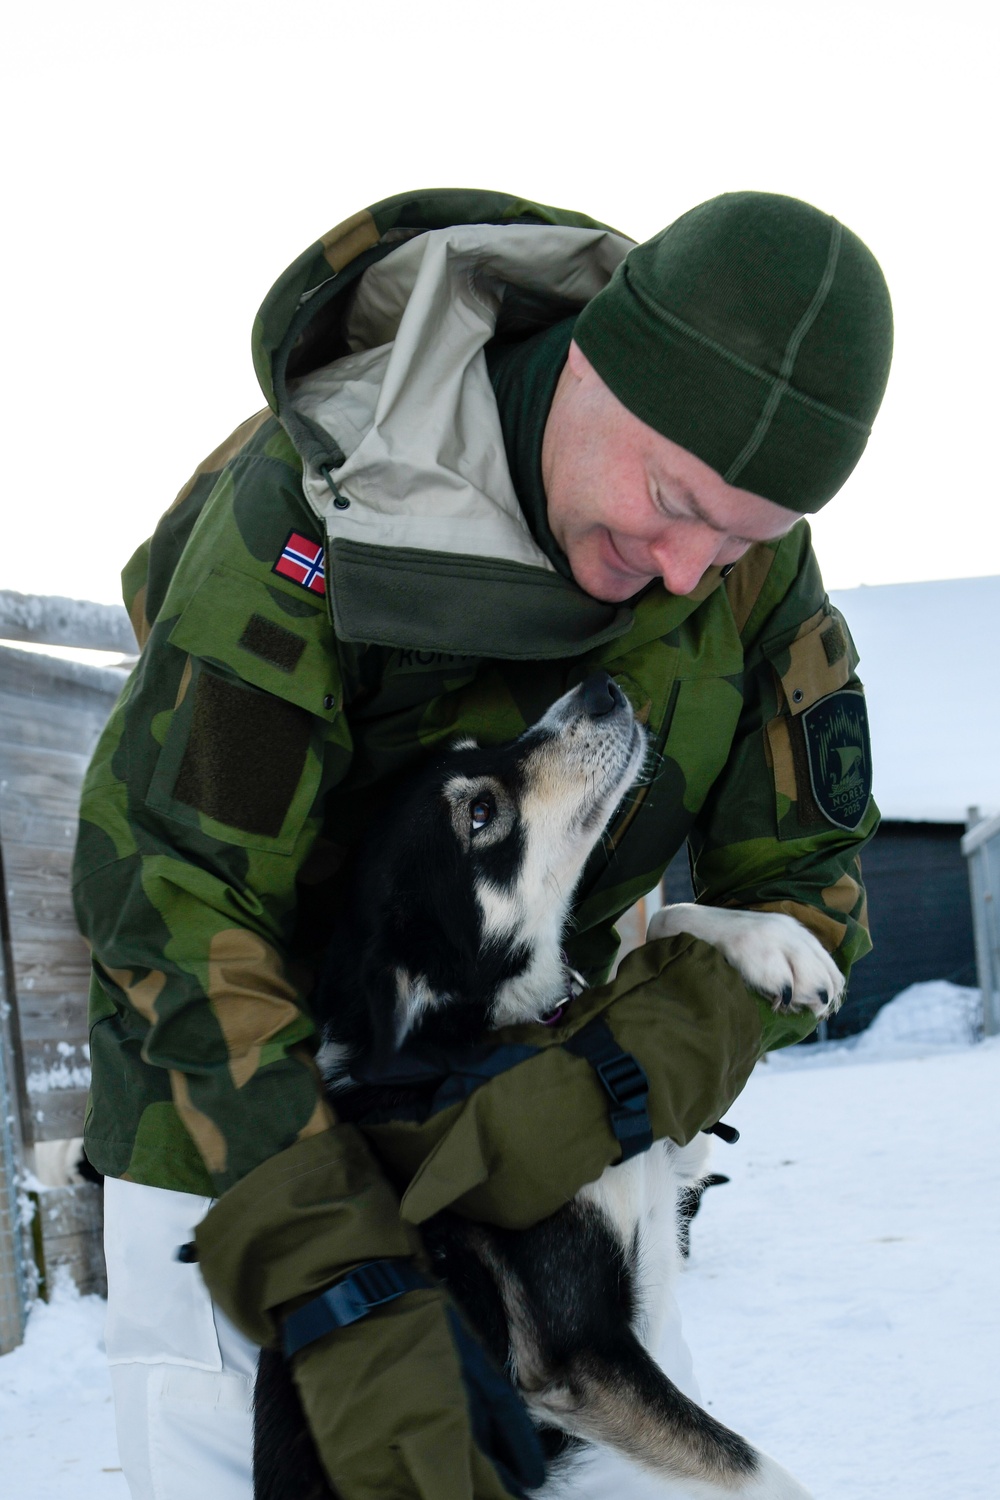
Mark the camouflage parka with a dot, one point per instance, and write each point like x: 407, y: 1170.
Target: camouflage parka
x: 348, y: 581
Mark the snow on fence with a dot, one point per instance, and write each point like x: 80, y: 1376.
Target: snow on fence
x: 49, y: 620
x: 51, y: 713
x: 981, y: 847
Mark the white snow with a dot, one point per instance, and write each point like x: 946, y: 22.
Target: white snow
x: 841, y: 1301
x: 61, y: 1075
x: 844, y: 1307
x: 932, y: 680
x: 57, y: 1430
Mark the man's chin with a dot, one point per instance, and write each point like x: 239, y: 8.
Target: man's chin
x: 601, y: 581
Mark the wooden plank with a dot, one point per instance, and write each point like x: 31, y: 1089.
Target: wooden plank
x: 73, y: 1209
x: 53, y: 1055
x: 39, y: 826
x: 47, y: 919
x: 57, y: 1115
x: 45, y: 871
x: 51, y: 991
x: 45, y: 742
x: 39, y: 804
x: 13, y: 1249
x: 13, y: 1106
x: 68, y: 683
x: 50, y: 968
x: 52, y: 620
x: 38, y: 891
x: 65, y: 1061
x: 71, y: 686
x: 71, y: 1223
x: 54, y: 1019
x: 49, y: 723
x: 27, y: 772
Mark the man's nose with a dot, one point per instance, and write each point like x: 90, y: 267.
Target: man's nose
x: 682, y: 557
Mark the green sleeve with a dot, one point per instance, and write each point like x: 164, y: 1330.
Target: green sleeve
x: 760, y: 841
x: 200, y: 811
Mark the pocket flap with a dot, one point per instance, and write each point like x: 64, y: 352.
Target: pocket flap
x: 818, y: 662
x: 280, y: 644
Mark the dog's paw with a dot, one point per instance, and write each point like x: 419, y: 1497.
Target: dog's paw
x: 773, y: 953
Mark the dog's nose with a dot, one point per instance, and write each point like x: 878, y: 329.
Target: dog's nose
x: 601, y: 695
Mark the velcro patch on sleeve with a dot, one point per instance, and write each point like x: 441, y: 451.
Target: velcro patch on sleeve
x: 244, y: 756
x: 838, y: 750
x: 273, y: 643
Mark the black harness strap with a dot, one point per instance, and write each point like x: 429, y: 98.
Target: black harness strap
x: 367, y: 1287
x: 417, y: 1088
x: 623, y: 1079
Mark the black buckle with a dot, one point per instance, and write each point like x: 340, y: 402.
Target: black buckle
x: 623, y: 1079
x: 360, y: 1293
x: 366, y: 1288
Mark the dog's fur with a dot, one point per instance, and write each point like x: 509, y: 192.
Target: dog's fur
x: 454, y: 927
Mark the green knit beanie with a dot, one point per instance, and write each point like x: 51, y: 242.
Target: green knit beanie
x: 756, y: 332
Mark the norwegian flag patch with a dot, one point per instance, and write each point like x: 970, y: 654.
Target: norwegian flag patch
x: 302, y: 561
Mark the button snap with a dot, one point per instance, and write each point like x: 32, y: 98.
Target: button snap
x: 727, y: 570
x: 798, y: 695
x: 329, y: 701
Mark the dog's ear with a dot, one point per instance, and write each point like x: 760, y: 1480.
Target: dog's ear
x: 414, y: 998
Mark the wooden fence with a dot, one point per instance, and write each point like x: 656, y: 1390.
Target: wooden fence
x: 51, y: 713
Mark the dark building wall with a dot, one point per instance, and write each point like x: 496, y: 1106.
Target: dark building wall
x: 920, y: 914
x: 919, y: 910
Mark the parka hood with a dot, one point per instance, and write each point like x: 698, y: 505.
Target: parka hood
x: 370, y: 350
x: 299, y: 325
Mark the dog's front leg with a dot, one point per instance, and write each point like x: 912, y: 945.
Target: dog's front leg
x: 773, y: 953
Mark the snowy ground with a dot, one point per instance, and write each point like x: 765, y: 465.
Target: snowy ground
x: 841, y: 1301
x: 57, y: 1430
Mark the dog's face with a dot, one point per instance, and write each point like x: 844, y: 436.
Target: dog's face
x: 465, y: 882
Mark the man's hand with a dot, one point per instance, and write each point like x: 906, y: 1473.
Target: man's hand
x: 405, y: 1405
x: 402, y: 1403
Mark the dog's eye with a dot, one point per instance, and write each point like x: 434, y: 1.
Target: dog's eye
x: 480, y: 812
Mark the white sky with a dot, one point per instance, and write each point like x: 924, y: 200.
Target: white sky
x: 166, y: 162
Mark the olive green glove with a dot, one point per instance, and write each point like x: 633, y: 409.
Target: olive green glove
x: 402, y: 1404
x: 524, y: 1142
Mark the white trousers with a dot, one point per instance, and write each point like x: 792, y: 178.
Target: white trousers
x: 182, y: 1375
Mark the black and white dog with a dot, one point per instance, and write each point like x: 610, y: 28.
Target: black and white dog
x: 454, y: 926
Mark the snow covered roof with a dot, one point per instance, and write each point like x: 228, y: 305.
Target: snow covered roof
x: 930, y: 662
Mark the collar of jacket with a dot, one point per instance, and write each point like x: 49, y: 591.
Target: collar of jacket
x: 404, y: 458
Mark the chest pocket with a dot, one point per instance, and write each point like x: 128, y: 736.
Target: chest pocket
x: 243, y: 749
x: 818, y: 662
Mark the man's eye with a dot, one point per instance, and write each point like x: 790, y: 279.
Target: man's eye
x: 480, y: 813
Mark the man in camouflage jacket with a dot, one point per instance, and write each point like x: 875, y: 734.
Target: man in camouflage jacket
x: 415, y: 541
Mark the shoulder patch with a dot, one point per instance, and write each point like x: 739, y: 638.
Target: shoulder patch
x: 838, y: 748
x: 302, y: 561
